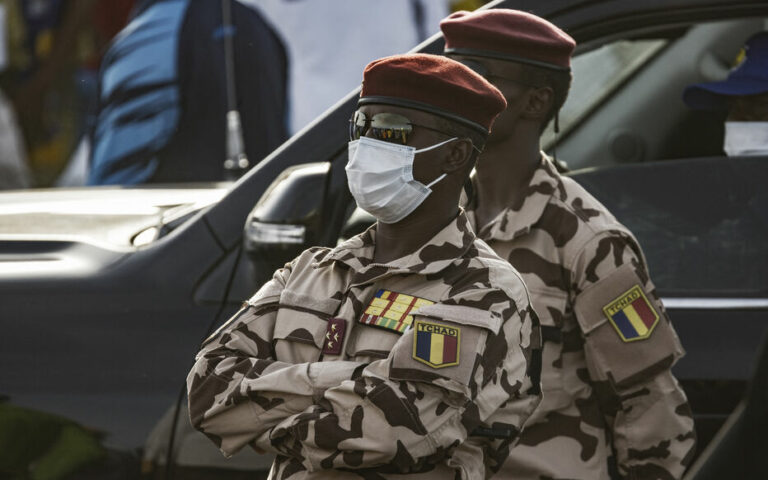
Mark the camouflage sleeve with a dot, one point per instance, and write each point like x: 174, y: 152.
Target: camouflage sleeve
x: 497, y: 434
x: 406, y: 412
x: 630, y: 347
x: 223, y: 385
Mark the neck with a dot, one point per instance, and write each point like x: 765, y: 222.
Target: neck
x: 503, y: 171
x: 396, y: 240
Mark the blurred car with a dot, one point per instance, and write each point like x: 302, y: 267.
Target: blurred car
x: 106, y: 294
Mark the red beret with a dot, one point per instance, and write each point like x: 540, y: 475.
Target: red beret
x: 434, y: 84
x: 508, y: 35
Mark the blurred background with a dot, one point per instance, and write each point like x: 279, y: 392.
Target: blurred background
x: 125, y: 92
x: 106, y: 292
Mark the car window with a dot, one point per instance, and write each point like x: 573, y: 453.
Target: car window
x: 702, y: 223
x: 597, y: 74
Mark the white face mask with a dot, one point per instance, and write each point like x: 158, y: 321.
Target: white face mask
x: 746, y: 138
x: 380, y: 177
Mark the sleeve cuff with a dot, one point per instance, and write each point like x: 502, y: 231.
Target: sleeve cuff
x: 325, y: 375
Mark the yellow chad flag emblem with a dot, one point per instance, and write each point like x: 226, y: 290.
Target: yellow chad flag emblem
x: 436, y: 345
x: 632, y: 315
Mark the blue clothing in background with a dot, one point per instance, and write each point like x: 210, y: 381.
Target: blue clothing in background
x: 162, y: 102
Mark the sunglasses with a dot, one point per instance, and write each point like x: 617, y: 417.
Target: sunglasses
x: 390, y: 127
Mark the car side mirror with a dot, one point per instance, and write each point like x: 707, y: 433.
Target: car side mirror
x: 287, y: 219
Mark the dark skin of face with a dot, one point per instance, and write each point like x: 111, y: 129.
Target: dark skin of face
x: 512, y: 153
x: 748, y: 108
x: 396, y: 240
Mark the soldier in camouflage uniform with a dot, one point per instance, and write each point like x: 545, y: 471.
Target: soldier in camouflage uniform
x: 387, y: 355
x: 611, y: 406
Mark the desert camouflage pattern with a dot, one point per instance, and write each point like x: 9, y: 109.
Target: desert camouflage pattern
x: 373, y: 411
x: 611, y: 408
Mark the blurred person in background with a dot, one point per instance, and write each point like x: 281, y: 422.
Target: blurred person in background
x: 744, y: 96
x: 329, y: 43
x: 51, y: 50
x: 163, y: 93
x: 14, y: 172
x: 107, y: 19
x: 42, y: 54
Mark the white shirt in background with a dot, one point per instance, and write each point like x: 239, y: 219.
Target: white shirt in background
x: 329, y: 43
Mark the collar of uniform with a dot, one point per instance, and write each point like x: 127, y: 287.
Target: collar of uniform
x: 439, y: 252
x: 518, y: 218
x: 356, y: 252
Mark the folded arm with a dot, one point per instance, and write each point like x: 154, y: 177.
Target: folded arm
x: 398, y: 412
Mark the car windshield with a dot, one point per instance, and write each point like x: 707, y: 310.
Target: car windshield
x: 701, y: 222
x: 596, y: 75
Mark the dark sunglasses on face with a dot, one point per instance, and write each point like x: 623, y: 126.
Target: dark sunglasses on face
x: 390, y: 127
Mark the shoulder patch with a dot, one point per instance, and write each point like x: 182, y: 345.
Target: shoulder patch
x: 436, y: 345
x: 392, y: 311
x: 632, y: 315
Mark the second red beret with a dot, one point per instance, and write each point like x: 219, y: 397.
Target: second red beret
x: 508, y: 35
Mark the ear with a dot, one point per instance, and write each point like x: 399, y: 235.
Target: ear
x: 540, y: 101
x: 458, y: 155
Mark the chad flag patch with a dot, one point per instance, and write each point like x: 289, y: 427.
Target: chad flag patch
x: 392, y: 310
x: 632, y: 315
x: 436, y: 345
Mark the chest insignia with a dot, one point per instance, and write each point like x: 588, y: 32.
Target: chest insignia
x: 334, y: 336
x: 436, y: 345
x: 632, y: 315
x: 391, y: 310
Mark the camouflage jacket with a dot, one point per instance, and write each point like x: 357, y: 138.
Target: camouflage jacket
x: 346, y: 368
x: 610, y: 399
